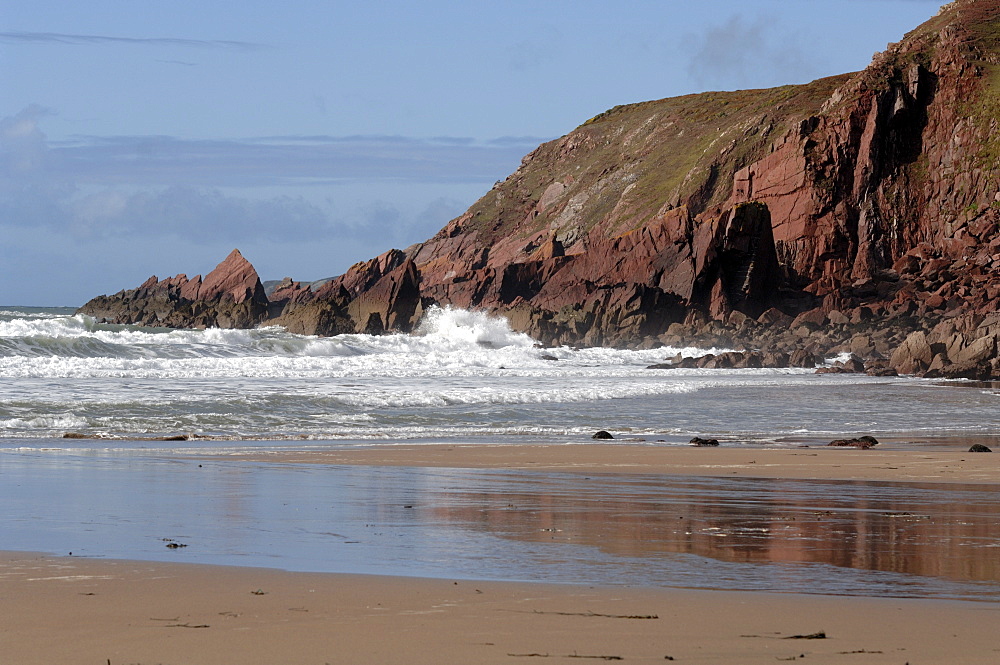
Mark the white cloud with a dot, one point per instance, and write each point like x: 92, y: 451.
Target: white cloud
x: 150, y: 186
x: 283, y: 160
x: 58, y: 38
x: 22, y: 142
x: 204, y: 214
x: 307, y: 205
x: 745, y: 52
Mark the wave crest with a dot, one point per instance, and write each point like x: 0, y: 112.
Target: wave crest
x: 448, y: 342
x: 453, y: 327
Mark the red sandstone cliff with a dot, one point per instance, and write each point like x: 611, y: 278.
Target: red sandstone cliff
x: 613, y: 231
x: 851, y: 205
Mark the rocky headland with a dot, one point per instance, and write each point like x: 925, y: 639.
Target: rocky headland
x: 858, y: 213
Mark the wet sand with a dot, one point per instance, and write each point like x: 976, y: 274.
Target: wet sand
x: 71, y: 610
x: 814, y: 462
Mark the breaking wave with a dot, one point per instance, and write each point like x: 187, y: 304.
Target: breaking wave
x: 446, y: 341
x: 460, y: 374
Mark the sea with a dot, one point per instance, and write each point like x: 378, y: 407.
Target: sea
x: 118, y: 441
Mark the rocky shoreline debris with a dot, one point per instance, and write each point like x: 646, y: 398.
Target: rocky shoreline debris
x: 164, y: 437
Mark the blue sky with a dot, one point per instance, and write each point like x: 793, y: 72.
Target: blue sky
x: 152, y: 138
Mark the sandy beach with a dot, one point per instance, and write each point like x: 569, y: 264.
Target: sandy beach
x: 814, y: 462
x: 85, y: 610
x: 72, y: 610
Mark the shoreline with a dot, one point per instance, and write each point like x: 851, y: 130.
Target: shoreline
x: 65, y: 609
x: 805, y: 463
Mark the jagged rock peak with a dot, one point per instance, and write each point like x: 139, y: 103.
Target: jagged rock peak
x: 231, y: 296
x: 234, y: 278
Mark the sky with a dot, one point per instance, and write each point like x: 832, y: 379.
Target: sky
x: 153, y: 138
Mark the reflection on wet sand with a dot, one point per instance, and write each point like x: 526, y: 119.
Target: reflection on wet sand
x: 816, y: 536
x: 909, y: 529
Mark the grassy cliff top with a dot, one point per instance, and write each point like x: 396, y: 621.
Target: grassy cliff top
x: 621, y: 167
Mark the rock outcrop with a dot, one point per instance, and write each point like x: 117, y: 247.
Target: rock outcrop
x: 231, y: 296
x: 858, y: 213
x: 862, y: 442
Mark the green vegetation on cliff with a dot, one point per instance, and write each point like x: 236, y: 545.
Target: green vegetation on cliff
x: 622, y: 167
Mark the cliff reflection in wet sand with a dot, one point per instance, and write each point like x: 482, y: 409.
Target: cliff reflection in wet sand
x: 950, y: 533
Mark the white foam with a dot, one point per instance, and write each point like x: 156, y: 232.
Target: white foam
x: 65, y: 421
x: 842, y: 357
x: 447, y: 341
x: 448, y: 326
x: 462, y: 372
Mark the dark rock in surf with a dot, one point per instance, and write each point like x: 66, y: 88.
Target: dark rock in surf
x: 861, y: 442
x: 853, y: 365
x: 751, y: 360
x: 879, y: 368
x: 775, y: 359
x: 802, y: 358
x: 727, y: 360
x: 976, y: 371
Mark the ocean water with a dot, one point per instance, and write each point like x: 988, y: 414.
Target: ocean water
x: 463, y: 376
x: 124, y: 490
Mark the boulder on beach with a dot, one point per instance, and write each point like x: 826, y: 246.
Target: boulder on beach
x: 862, y: 442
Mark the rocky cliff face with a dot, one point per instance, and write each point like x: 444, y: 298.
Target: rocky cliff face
x: 847, y: 213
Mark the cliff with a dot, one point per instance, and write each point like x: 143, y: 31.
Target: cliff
x: 848, y: 213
